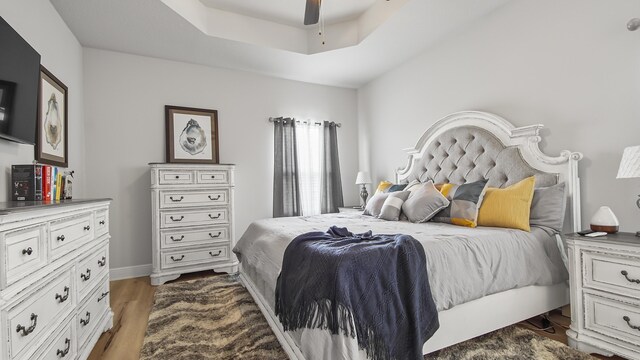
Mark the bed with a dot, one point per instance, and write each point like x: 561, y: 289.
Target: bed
x: 481, y: 278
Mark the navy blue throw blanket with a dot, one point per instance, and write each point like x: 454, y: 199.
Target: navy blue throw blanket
x: 371, y: 287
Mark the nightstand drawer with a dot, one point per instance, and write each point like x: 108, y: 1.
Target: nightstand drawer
x: 612, y: 273
x: 220, y: 177
x: 613, y: 318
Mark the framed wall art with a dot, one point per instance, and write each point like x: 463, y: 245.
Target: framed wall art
x: 52, y: 130
x: 192, y: 135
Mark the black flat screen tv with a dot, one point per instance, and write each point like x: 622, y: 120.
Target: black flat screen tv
x: 19, y: 86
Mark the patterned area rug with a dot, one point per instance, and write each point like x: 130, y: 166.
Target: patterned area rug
x: 211, y: 318
x: 216, y: 318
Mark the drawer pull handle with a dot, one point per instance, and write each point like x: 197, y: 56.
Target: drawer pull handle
x: 102, y: 262
x: 180, y: 239
x: 634, y: 327
x: 102, y: 222
x: 28, y: 330
x: 215, y: 217
x: 27, y: 251
x: 176, y: 200
x: 214, y: 198
x: 626, y: 275
x: 87, y: 228
x: 172, y: 219
x: 181, y: 257
x: 177, y: 176
x: 63, y: 353
x: 65, y: 297
x: 84, y: 322
x: 214, y: 255
x: 87, y: 276
x: 104, y: 295
x: 60, y: 238
x: 217, y: 235
x: 213, y: 176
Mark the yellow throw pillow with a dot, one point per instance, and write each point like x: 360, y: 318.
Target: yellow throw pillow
x: 382, y: 186
x: 509, y: 207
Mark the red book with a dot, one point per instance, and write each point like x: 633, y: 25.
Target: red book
x: 46, y: 182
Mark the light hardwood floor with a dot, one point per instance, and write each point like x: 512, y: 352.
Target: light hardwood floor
x: 132, y: 299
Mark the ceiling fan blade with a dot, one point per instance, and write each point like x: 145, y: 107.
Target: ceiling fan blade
x: 312, y: 13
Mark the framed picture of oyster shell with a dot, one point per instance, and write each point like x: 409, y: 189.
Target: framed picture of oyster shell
x: 52, y: 130
x: 192, y: 135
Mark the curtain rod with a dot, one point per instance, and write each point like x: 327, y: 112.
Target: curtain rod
x: 271, y: 120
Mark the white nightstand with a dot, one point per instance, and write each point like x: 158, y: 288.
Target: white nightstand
x: 605, y: 294
x: 350, y: 209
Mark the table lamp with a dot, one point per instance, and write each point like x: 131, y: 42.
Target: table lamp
x: 363, y: 179
x: 630, y: 167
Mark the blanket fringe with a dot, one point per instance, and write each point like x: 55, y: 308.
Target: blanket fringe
x: 337, y: 318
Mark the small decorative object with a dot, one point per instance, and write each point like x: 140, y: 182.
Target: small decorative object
x: 68, y: 186
x: 630, y: 167
x: 605, y: 220
x: 363, y: 179
x: 51, y: 138
x: 192, y: 135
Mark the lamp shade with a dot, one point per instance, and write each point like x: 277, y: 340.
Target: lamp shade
x: 630, y: 163
x: 363, y: 178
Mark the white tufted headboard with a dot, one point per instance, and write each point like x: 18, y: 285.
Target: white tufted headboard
x: 471, y: 145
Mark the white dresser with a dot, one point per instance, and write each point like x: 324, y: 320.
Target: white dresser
x: 605, y: 294
x: 54, y: 280
x: 192, y: 219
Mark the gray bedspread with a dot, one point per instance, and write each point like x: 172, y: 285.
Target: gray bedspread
x: 463, y: 263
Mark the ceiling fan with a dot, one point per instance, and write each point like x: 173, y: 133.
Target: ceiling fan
x: 312, y: 12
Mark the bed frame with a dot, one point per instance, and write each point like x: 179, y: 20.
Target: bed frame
x: 495, y: 311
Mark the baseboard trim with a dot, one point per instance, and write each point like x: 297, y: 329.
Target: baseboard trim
x: 129, y: 272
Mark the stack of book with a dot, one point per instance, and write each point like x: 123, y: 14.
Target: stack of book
x: 37, y: 182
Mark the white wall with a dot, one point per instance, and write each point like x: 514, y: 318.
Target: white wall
x: 125, y: 127
x: 41, y: 26
x: 570, y: 65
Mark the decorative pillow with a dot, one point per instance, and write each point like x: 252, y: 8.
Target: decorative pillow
x: 383, y: 186
x: 424, y: 202
x: 374, y: 205
x: 413, y: 186
x: 465, y: 200
x: 509, y: 207
x: 393, y: 205
x: 548, y: 207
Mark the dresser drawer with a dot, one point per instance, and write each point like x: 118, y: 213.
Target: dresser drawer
x: 61, y: 344
x: 181, y: 238
x: 173, y: 219
x: 24, y: 253
x: 102, y: 222
x: 612, y: 273
x: 613, y: 318
x: 90, y: 270
x: 69, y: 234
x: 175, y: 177
x: 28, y: 320
x: 211, y: 254
x: 220, y: 177
x: 92, y: 310
x: 180, y: 199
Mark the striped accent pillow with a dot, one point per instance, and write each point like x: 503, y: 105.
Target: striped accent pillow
x: 393, y: 205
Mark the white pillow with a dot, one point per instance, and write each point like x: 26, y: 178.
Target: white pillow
x: 424, y: 203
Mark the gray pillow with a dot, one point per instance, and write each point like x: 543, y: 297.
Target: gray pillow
x: 393, y: 205
x: 548, y: 207
x: 424, y: 203
x: 374, y: 205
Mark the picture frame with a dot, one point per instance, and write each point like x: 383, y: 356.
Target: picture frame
x: 191, y: 135
x: 52, y: 140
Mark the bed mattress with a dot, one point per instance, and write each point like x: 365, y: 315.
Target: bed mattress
x: 464, y: 264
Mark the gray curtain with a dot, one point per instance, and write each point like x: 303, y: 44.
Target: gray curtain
x: 331, y: 181
x: 286, y: 193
